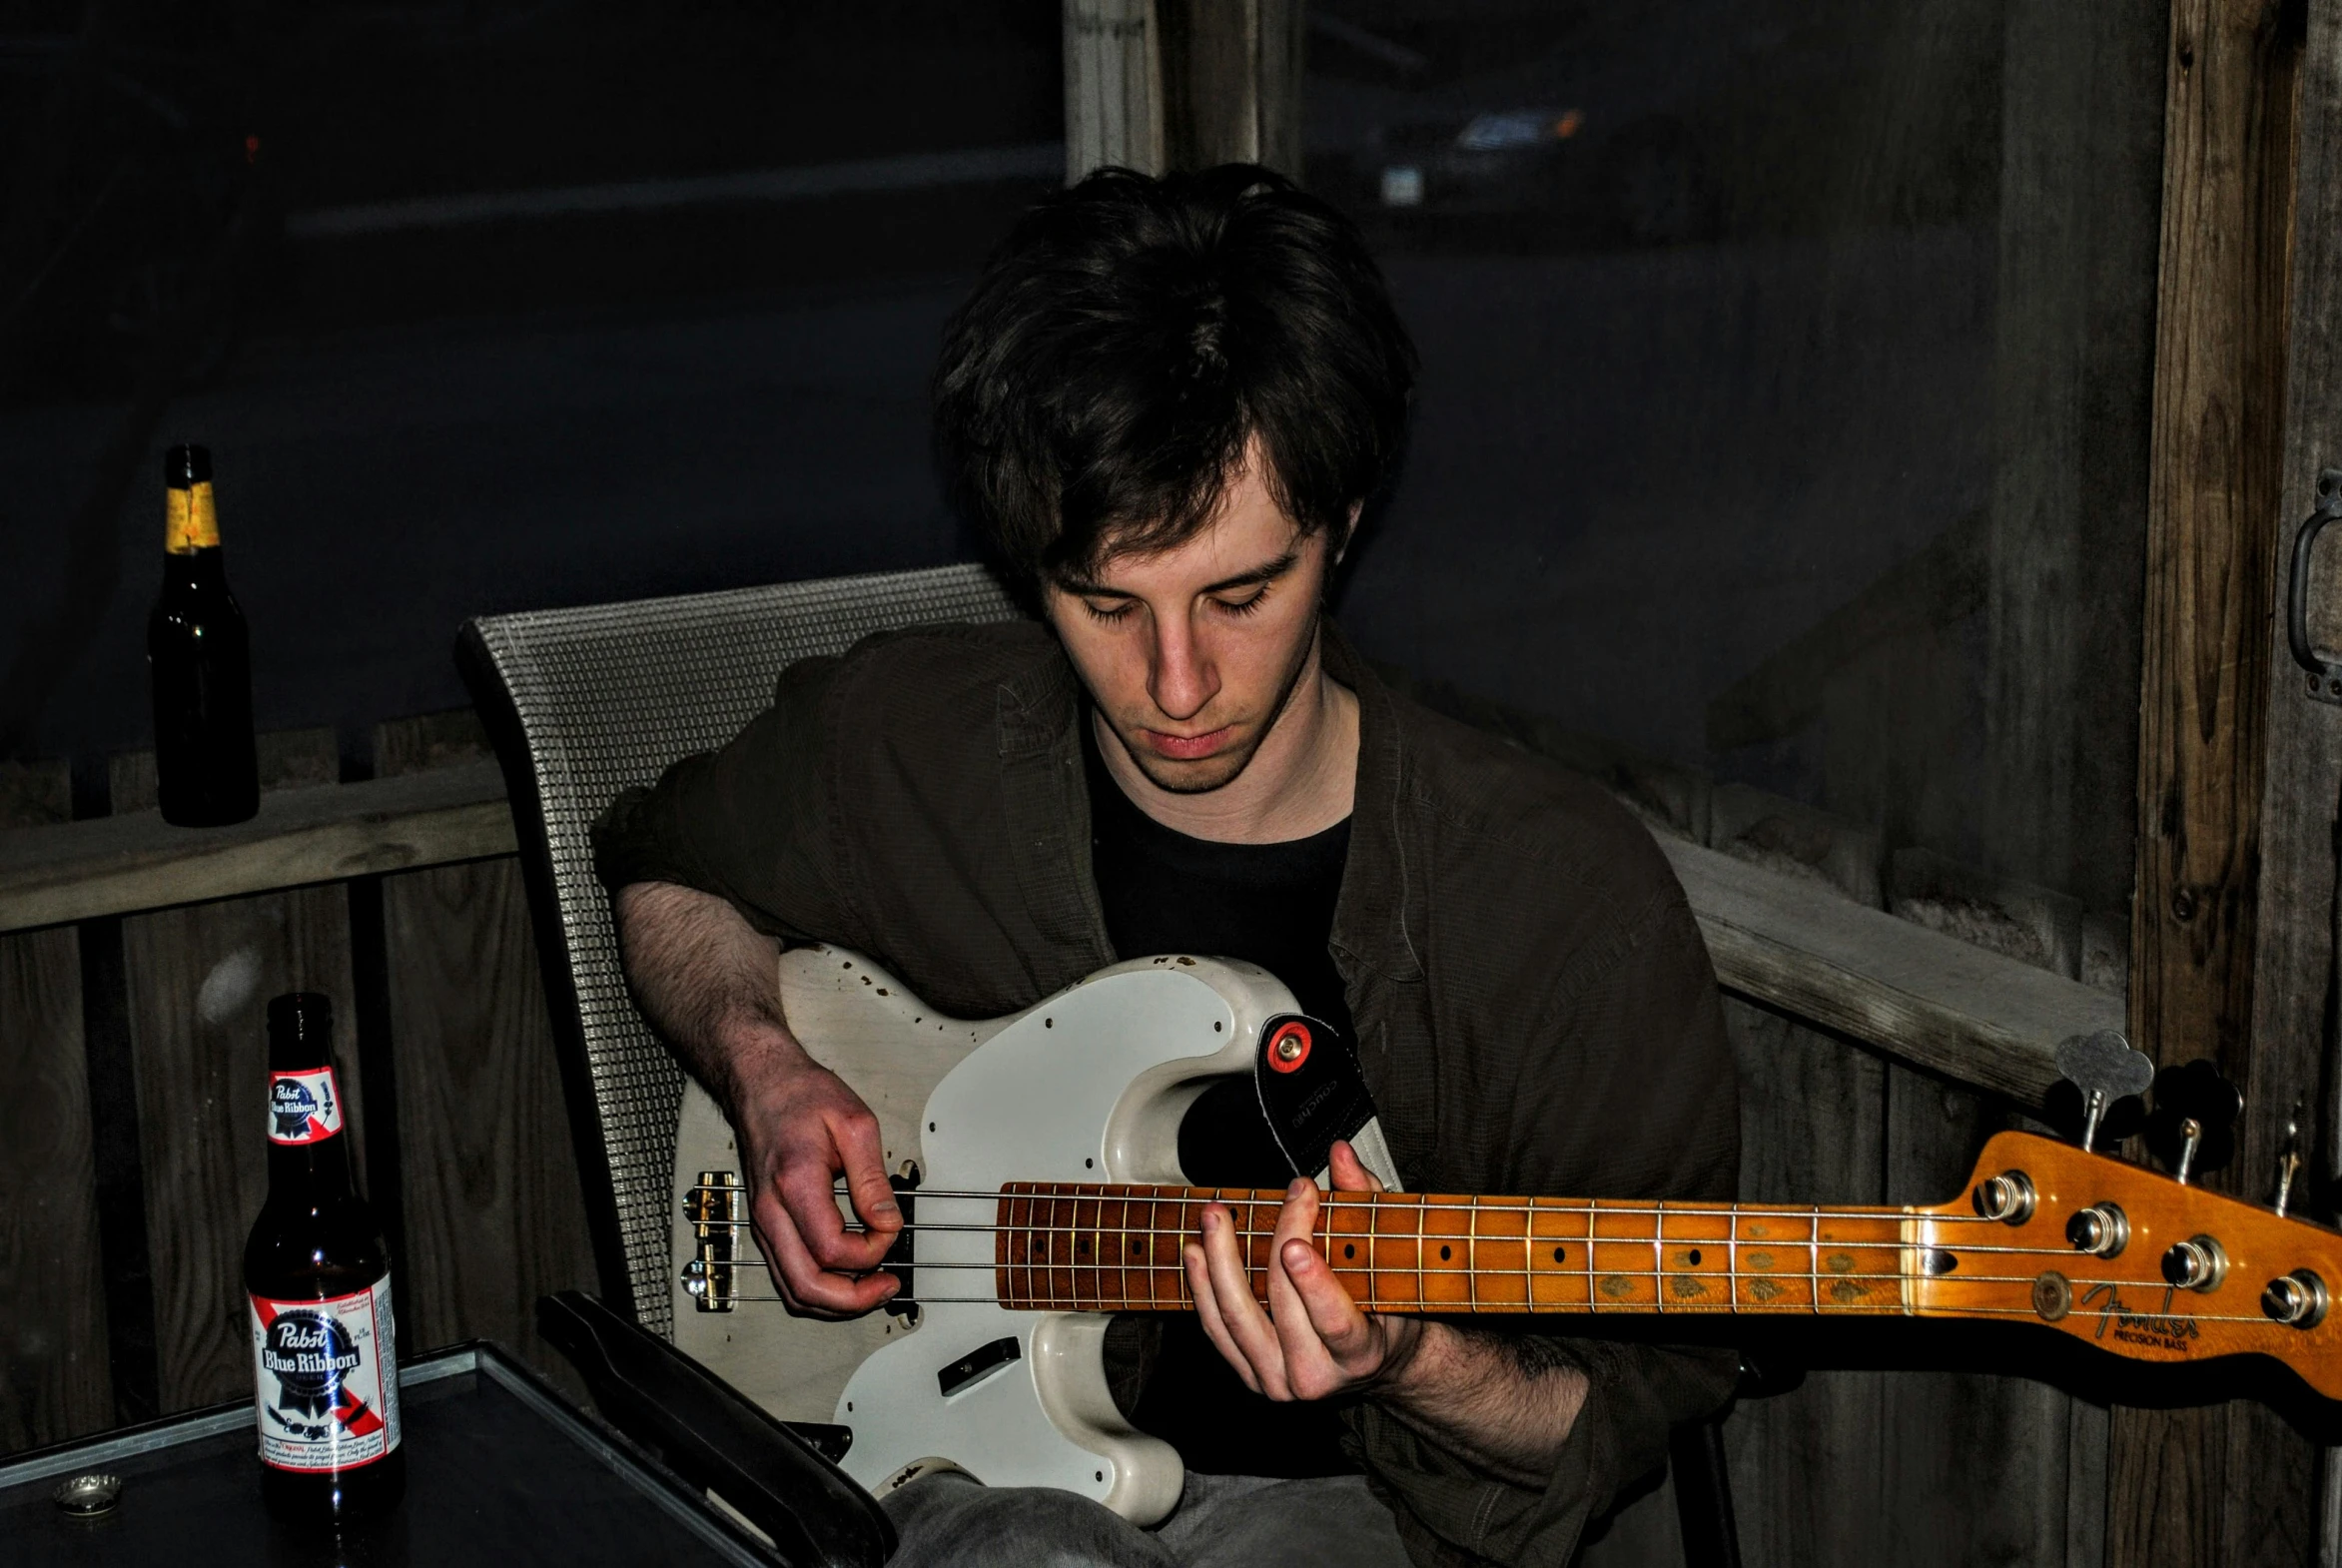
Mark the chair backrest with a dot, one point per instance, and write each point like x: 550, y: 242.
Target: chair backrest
x: 583, y: 703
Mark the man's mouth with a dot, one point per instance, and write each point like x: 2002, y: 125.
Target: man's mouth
x: 1188, y: 748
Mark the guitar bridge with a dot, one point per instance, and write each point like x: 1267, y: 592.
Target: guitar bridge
x: 714, y: 1208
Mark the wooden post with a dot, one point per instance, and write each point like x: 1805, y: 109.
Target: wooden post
x: 2301, y: 796
x: 54, y: 1379
x: 2228, y: 1484
x: 1113, y: 87
x: 1182, y: 84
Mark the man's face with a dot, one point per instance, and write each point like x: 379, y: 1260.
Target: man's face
x: 1191, y: 652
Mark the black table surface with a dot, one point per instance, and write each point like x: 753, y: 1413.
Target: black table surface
x: 498, y: 1471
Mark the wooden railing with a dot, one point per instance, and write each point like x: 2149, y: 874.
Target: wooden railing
x: 1939, y: 1002
x: 1876, y: 1054
x: 135, y: 964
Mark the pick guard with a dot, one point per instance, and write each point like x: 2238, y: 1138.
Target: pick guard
x: 1088, y: 1086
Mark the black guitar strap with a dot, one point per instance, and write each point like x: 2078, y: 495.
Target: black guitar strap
x: 1313, y: 1093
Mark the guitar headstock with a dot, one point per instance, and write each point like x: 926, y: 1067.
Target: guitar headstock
x: 2141, y: 1264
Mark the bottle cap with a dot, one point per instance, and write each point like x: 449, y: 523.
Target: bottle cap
x: 186, y: 466
x: 302, y: 1018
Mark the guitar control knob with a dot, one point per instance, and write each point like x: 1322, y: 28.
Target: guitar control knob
x: 2007, y: 1197
x: 2297, y: 1299
x: 2101, y: 1230
x: 2196, y: 1263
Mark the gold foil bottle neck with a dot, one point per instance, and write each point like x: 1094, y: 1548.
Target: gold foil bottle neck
x: 189, y: 523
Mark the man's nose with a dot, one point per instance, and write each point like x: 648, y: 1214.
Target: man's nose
x: 1181, y: 678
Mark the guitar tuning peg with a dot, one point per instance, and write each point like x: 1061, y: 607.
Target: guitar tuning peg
x: 2289, y: 1157
x: 2192, y: 1128
x: 2104, y: 1071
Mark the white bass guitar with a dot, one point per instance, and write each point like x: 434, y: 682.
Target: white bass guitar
x: 1038, y: 1156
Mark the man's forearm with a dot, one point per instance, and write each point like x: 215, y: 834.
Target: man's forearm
x: 1478, y: 1396
x: 707, y: 981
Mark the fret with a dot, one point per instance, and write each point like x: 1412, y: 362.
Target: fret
x: 1732, y: 1262
x: 1417, y: 1212
x: 1116, y: 1221
x: 1659, y: 1257
x: 1472, y: 1257
x: 1345, y: 1225
x: 1097, y: 1248
x: 1442, y: 1227
x: 1586, y: 1249
x: 1024, y: 1252
x: 1060, y: 1248
x: 1082, y: 1257
x: 1076, y: 1245
x: 1529, y: 1257
x: 1163, y: 1236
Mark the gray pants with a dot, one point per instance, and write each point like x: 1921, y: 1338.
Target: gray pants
x: 948, y: 1520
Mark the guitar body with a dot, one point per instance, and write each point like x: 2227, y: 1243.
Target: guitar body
x: 1086, y: 1086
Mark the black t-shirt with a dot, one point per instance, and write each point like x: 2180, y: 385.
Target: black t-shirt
x: 1271, y: 904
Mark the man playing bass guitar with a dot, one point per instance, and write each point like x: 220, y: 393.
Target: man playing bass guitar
x: 1166, y: 403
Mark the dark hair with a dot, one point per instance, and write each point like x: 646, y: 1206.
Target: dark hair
x: 1098, y: 388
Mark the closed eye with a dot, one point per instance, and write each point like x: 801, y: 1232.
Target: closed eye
x: 1245, y: 606
x: 1111, y: 613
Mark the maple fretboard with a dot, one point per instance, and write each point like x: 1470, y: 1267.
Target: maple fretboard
x: 1068, y: 1247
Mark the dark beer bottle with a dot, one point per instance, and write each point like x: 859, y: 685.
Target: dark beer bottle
x: 318, y: 1273
x: 199, y: 658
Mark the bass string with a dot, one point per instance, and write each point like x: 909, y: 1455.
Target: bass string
x: 1517, y: 1310
x: 1403, y: 1202
x: 1065, y: 1266
x: 1737, y: 1243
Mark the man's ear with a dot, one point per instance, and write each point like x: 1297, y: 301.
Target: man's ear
x: 1349, y: 531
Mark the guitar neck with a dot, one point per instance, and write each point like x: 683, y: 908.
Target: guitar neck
x: 1068, y: 1248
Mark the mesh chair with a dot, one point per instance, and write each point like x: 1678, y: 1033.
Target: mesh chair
x: 582, y: 703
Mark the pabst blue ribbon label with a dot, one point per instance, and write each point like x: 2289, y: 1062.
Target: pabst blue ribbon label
x: 303, y: 1108
x: 327, y: 1381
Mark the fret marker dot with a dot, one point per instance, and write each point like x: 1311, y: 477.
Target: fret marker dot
x: 1557, y: 1255
x: 1133, y: 1244
x: 1349, y: 1249
x: 1693, y: 1257
x: 1446, y: 1254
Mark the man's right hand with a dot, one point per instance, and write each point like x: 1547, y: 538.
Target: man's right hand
x: 800, y: 1127
x: 710, y: 985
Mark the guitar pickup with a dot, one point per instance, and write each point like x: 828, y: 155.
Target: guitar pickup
x: 903, y: 1303
x: 977, y: 1366
x: 715, y: 1211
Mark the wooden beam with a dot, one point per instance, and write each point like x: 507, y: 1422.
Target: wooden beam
x: 1793, y: 945
x: 2230, y: 1484
x: 116, y: 864
x: 1916, y: 995
x: 2081, y: 153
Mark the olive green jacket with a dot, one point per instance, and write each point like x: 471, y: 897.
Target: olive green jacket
x: 1534, y: 1008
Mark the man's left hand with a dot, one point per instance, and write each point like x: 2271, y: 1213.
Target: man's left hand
x: 1312, y: 1341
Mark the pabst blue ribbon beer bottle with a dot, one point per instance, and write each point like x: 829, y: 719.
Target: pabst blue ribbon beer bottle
x: 318, y: 1273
